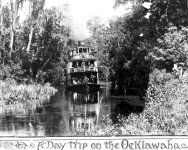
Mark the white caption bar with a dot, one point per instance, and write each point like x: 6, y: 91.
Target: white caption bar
x: 96, y: 143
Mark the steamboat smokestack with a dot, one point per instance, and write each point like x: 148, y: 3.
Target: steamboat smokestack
x: 80, y: 43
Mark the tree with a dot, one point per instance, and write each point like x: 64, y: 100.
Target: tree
x: 133, y: 37
x: 1, y: 23
x: 1, y: 15
x: 49, y: 42
x: 43, y: 35
x: 165, y: 13
x: 172, y: 48
x: 14, y: 8
x: 97, y: 40
x: 124, y: 2
x: 36, y: 8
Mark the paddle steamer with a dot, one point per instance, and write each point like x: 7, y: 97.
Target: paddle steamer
x: 82, y: 70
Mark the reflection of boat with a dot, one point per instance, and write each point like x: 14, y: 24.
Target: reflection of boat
x: 85, y: 110
x: 87, y: 98
x: 82, y: 70
x: 85, y: 119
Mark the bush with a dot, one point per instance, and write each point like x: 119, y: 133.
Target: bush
x: 56, y: 76
x: 166, y: 107
x: 11, y: 71
x: 165, y: 113
x: 12, y: 93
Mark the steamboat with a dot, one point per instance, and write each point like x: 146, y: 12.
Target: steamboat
x: 82, y: 70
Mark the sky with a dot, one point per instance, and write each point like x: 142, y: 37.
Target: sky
x: 80, y: 11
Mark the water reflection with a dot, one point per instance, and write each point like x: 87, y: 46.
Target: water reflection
x: 85, y: 110
x: 64, y: 113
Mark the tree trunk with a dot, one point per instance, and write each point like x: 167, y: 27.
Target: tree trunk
x: 39, y: 71
x: 30, y: 39
x: 11, y: 42
x: 14, y: 14
x: 1, y: 15
x: 187, y: 11
x: 12, y: 28
x: 1, y: 26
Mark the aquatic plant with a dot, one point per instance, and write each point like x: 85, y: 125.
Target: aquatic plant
x: 12, y: 93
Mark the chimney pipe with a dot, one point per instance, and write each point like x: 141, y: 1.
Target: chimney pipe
x: 79, y: 43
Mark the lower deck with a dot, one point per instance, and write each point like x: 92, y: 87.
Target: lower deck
x: 84, y: 87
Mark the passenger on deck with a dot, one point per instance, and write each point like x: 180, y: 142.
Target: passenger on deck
x: 92, y: 78
x: 91, y: 67
x: 79, y: 81
x: 83, y: 66
x: 74, y: 81
x: 85, y: 80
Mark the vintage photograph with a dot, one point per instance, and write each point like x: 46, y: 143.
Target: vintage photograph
x: 93, y: 68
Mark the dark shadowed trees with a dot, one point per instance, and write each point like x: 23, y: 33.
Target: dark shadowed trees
x: 130, y: 40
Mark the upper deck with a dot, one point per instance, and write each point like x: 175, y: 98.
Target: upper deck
x: 81, y: 52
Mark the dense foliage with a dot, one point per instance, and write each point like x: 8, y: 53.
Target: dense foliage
x: 14, y: 94
x: 32, y: 53
x: 172, y: 49
x: 165, y: 110
x: 36, y: 48
x: 148, y: 50
x: 130, y: 50
x: 133, y: 42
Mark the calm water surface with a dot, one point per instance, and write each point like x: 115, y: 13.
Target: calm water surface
x: 62, y: 114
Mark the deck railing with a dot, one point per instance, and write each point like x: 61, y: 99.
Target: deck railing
x: 82, y: 69
x: 82, y: 56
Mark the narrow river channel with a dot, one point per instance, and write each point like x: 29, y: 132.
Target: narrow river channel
x: 62, y: 114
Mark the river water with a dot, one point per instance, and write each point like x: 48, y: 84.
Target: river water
x: 63, y: 114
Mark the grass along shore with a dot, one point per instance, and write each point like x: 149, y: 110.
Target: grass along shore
x: 13, y: 94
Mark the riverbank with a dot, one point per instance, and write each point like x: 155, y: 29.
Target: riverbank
x: 165, y: 111
x: 14, y: 94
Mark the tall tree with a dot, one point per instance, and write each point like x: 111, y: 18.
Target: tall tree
x: 36, y: 8
x: 14, y: 8
x: 1, y: 23
x: 1, y: 15
x: 134, y: 36
x: 172, y: 49
x: 49, y: 42
x: 124, y: 2
x: 99, y: 36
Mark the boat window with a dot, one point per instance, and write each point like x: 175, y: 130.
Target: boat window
x: 79, y: 63
x: 80, y: 50
x: 86, y: 63
x: 74, y: 65
x: 85, y: 50
x: 76, y: 50
x: 88, y: 50
x: 92, y: 62
x: 70, y: 53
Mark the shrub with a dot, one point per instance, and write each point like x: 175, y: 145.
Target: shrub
x: 56, y: 76
x: 165, y: 113
x: 12, y: 93
x: 12, y: 71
